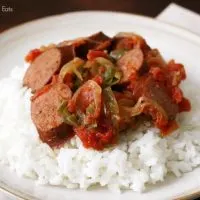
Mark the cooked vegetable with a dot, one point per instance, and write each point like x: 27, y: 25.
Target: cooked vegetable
x: 111, y: 108
x: 68, y: 118
x: 72, y: 67
x: 92, y: 54
x: 111, y: 75
x: 151, y: 107
x: 117, y: 54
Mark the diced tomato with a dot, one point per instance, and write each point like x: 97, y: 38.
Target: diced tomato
x: 92, y: 54
x: 184, y: 105
x: 169, y: 128
x: 176, y: 67
x: 32, y: 55
x: 41, y: 92
x: 157, y: 73
x: 177, y: 94
x: 98, y: 79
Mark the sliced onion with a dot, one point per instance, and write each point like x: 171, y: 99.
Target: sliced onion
x: 147, y: 106
x: 72, y: 67
x: 111, y: 75
x: 137, y: 39
x: 111, y: 108
x: 68, y: 118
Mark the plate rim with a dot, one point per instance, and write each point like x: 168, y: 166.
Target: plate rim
x: 180, y: 31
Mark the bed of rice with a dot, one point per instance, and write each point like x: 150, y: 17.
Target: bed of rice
x: 141, y: 158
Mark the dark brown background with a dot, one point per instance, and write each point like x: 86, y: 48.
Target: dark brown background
x: 26, y: 10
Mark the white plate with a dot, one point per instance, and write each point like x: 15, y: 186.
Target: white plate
x: 173, y: 43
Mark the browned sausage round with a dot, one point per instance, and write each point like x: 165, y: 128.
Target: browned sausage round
x: 45, y: 116
x: 97, y: 41
x: 131, y: 62
x: 149, y: 88
x: 129, y: 41
x: 46, y: 65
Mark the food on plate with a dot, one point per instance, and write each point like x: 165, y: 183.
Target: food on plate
x: 96, y: 87
x: 99, y: 110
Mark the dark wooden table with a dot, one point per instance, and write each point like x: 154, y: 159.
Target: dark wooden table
x: 14, y: 12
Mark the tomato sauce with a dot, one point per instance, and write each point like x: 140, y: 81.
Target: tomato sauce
x: 98, y: 138
x: 92, y: 54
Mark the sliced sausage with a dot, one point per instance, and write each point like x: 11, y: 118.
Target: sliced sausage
x: 99, y: 37
x: 128, y: 41
x: 46, y: 65
x: 44, y: 112
x: 130, y: 62
x: 149, y: 88
x: 97, y: 41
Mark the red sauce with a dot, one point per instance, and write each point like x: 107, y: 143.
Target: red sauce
x: 169, y: 77
x: 159, y: 119
x: 157, y: 73
x: 98, y: 79
x: 184, y: 105
x: 177, y: 95
x: 92, y: 54
x: 40, y: 92
x: 176, y: 67
x: 169, y: 128
x: 96, y: 138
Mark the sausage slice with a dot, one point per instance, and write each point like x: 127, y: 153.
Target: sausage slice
x: 149, y: 88
x: 130, y: 62
x: 46, y: 65
x: 97, y: 41
x: 44, y: 113
x: 129, y: 41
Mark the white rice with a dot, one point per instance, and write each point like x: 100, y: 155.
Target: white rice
x: 138, y: 160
